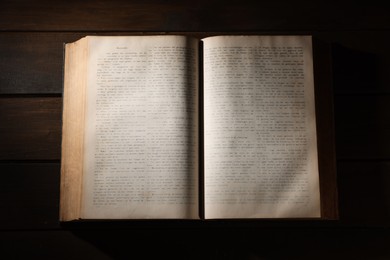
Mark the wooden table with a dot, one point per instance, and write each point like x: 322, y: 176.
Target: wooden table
x: 32, y: 34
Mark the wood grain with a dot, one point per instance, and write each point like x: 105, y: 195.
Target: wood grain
x: 362, y: 127
x: 201, y: 15
x: 246, y: 244
x: 30, y: 128
x: 32, y: 62
x: 361, y: 63
x: 29, y: 195
x: 364, y: 196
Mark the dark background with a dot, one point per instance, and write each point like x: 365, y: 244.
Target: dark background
x: 32, y: 34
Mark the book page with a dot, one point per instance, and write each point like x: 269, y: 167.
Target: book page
x: 260, y: 128
x: 73, y: 129
x: 141, y: 141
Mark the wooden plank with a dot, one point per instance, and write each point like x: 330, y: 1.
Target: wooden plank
x: 361, y: 61
x: 30, y: 128
x: 364, y: 192
x: 47, y: 245
x: 29, y: 195
x: 362, y: 127
x: 173, y: 244
x: 32, y: 62
x: 121, y: 15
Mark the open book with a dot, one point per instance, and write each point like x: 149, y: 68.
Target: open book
x: 158, y: 127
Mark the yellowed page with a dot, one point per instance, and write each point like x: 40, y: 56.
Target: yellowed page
x: 73, y: 129
x: 259, y: 128
x: 141, y: 142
